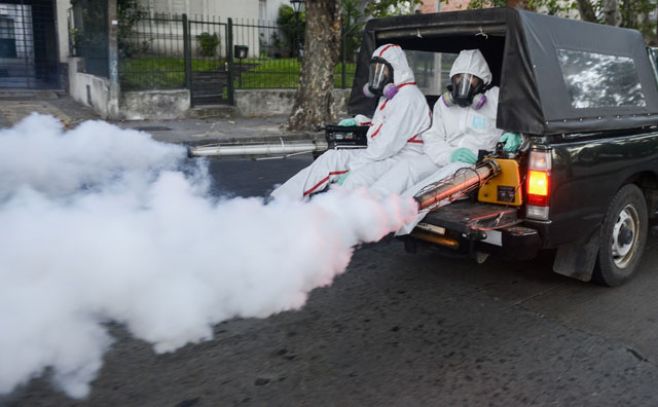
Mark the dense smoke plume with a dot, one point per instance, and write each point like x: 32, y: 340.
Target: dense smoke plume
x: 101, y: 224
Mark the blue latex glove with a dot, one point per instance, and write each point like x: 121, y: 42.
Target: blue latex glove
x: 347, y: 122
x: 512, y: 141
x: 463, y: 155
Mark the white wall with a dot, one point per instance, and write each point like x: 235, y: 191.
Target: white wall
x: 63, y: 7
x: 272, y: 9
x: 242, y: 9
x: 89, y: 90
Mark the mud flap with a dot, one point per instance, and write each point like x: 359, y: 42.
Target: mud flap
x: 577, y: 260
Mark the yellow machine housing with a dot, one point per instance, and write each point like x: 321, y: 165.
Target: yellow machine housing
x: 504, y: 188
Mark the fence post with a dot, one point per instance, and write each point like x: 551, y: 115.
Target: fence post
x: 187, y: 52
x: 113, y: 59
x: 229, y: 60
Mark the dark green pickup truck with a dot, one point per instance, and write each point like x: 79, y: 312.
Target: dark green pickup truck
x: 585, y: 97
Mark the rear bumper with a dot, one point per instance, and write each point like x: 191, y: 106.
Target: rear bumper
x: 467, y: 228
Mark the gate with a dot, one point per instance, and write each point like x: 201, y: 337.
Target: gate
x: 208, y: 61
x: 28, y: 44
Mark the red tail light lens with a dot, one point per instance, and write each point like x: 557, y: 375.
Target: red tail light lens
x: 538, y: 187
x: 538, y: 184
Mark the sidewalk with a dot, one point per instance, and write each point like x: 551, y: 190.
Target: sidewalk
x: 220, y: 130
x: 16, y: 105
x: 187, y: 131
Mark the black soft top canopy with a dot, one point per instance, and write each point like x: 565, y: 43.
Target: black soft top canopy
x: 555, y: 75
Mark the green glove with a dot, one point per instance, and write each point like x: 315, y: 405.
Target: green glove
x: 512, y: 141
x: 347, y: 122
x: 463, y: 155
x: 341, y: 178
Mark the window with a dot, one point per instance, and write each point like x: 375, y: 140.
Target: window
x: 600, y: 80
x: 7, y: 38
x: 431, y: 70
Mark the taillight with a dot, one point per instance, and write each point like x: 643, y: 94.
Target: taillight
x: 538, y: 184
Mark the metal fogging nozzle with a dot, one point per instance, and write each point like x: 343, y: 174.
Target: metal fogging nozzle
x: 463, y: 181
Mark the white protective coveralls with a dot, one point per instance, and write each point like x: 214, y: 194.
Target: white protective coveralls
x: 452, y: 128
x: 394, y: 133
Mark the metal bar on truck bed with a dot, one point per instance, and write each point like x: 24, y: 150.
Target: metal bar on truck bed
x: 237, y: 150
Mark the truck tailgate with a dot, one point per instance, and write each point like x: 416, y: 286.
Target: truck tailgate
x: 468, y: 226
x: 465, y: 216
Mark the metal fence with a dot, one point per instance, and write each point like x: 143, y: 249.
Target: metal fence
x: 28, y: 45
x: 89, y: 35
x: 151, y: 54
x: 171, y: 51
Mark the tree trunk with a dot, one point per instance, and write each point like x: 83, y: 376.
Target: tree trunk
x: 313, y: 101
x: 611, y: 12
x: 586, y: 11
x: 628, y: 17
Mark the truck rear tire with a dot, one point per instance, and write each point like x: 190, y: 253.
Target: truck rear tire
x: 623, y: 237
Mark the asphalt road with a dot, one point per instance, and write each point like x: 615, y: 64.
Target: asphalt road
x: 407, y: 330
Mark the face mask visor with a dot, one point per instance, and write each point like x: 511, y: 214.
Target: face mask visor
x: 380, y: 74
x: 464, y: 87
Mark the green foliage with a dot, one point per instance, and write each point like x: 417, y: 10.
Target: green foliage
x: 387, y: 8
x: 292, y: 26
x: 353, y: 23
x: 169, y: 73
x: 483, y: 3
x: 284, y: 73
x: 354, y: 18
x: 130, y: 12
x: 634, y: 13
x: 208, y: 44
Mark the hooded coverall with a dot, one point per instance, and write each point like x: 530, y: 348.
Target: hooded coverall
x: 453, y: 127
x: 394, y: 133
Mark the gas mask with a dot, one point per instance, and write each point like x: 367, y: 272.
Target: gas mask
x: 380, y: 79
x: 465, y: 90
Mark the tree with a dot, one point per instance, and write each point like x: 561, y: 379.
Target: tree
x: 313, y: 102
x: 353, y: 19
x: 292, y: 25
x: 386, y: 8
x: 622, y: 13
x: 130, y: 13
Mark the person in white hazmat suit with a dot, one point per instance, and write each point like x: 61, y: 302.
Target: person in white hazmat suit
x: 401, y: 116
x: 464, y: 121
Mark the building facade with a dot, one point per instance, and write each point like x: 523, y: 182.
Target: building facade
x: 33, y: 43
x: 251, y: 10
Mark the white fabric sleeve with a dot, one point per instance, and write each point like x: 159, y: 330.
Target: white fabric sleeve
x: 362, y: 120
x: 434, y: 139
x: 389, y: 137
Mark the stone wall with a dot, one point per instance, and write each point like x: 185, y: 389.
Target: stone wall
x: 155, y: 104
x: 271, y: 102
x: 175, y: 104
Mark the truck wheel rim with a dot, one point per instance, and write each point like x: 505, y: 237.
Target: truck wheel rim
x: 623, y: 245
